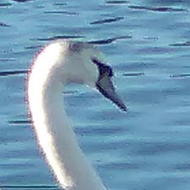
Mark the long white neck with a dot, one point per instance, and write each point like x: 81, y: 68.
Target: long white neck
x: 54, y: 130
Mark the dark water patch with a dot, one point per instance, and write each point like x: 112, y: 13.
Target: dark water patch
x: 30, y: 187
x: 183, y: 122
x: 187, y: 67
x: 181, y: 44
x: 150, y: 38
x: 121, y: 166
x: 182, y: 167
x: 184, y: 75
x: 132, y: 74
x: 106, y: 146
x: 135, y: 66
x: 13, y: 135
x: 109, y: 40
x: 169, y: 2
x: 23, y: 150
x: 62, y: 13
x: 5, y: 4
x: 117, y: 2
x: 59, y: 37
x: 155, y: 50
x: 176, y: 91
x: 60, y: 3
x: 2, y: 24
x: 157, y: 148
x: 20, y: 122
x: 157, y: 9
x: 9, y: 73
x: 70, y: 92
x: 16, y: 166
x: 109, y: 20
x: 40, y: 6
x: 6, y: 59
x: 32, y: 47
x: 101, y: 42
x: 100, y: 131
x: 22, y: 1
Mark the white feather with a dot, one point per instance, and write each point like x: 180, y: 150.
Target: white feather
x: 58, y: 64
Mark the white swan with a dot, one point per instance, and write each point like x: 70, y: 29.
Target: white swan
x: 59, y: 63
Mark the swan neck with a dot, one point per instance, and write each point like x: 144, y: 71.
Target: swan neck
x: 56, y: 137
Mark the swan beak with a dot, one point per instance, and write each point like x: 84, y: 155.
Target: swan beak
x: 105, y: 86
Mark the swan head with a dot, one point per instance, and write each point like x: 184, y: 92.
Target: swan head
x: 91, y: 69
x: 75, y: 62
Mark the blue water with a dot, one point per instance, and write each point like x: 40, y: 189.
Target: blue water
x: 148, y: 45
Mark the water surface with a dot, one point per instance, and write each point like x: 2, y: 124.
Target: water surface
x: 148, y: 45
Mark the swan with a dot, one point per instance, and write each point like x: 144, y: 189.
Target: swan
x: 60, y: 63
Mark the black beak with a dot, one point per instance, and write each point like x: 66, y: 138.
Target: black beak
x: 105, y: 86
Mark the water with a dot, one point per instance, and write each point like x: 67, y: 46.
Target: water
x: 148, y: 45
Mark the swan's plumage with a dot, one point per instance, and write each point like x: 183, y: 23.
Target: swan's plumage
x: 59, y: 63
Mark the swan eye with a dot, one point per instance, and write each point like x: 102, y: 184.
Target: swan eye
x: 103, y: 68
x: 76, y: 46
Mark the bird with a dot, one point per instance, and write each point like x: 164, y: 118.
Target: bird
x: 60, y: 63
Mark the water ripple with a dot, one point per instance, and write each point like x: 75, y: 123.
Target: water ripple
x: 20, y: 122
x: 109, y: 20
x: 121, y: 166
x: 16, y: 72
x: 22, y: 1
x: 149, y: 46
x: 60, y: 3
x: 187, y: 43
x: 32, y: 47
x: 100, y: 131
x: 61, y: 12
x: 2, y: 24
x: 5, y: 4
x: 109, y: 40
x: 30, y: 187
x: 158, y: 9
x: 59, y: 37
x: 158, y: 148
x: 117, y: 2
x: 133, y: 74
x: 184, y: 75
